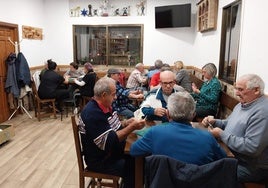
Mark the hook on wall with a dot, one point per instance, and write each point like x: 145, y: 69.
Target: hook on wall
x: 16, y: 44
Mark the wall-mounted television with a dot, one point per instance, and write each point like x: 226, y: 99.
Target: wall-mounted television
x: 173, y: 16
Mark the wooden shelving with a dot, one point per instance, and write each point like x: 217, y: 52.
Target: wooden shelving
x: 207, y: 15
x: 109, y: 44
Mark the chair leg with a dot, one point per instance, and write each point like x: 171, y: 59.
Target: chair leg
x: 38, y: 112
x: 82, y: 182
x: 253, y: 185
x: 115, y: 184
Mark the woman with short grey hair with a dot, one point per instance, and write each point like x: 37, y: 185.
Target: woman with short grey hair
x: 207, y: 97
x: 210, y: 68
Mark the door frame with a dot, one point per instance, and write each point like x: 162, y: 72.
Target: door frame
x: 14, y: 36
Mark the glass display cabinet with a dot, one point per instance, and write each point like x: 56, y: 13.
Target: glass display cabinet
x: 108, y: 44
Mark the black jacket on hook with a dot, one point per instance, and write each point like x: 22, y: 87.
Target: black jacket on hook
x: 22, y: 71
x: 11, y: 85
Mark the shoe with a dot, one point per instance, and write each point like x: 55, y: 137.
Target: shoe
x: 76, y: 111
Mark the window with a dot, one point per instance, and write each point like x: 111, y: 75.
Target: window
x: 231, y: 21
x: 108, y: 44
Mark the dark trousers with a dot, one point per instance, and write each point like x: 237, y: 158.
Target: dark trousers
x: 60, y: 95
x: 124, y: 168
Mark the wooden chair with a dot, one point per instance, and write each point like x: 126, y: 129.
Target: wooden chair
x: 96, y: 178
x: 263, y: 184
x: 85, y: 100
x: 39, y: 105
x: 253, y: 185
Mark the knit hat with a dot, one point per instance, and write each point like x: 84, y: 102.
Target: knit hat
x: 88, y: 66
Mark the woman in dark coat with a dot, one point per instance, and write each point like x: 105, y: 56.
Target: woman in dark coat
x: 49, y: 87
x: 88, y: 81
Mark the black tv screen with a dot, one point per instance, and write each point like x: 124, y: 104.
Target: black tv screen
x: 173, y: 16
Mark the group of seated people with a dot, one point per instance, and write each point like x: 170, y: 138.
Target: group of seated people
x: 164, y: 81
x: 245, y: 131
x: 173, y: 105
x: 53, y: 85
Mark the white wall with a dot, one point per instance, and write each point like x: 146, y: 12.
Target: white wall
x: 186, y: 44
x: 29, y: 13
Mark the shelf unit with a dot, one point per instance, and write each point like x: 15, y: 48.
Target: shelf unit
x: 207, y: 15
x: 109, y: 44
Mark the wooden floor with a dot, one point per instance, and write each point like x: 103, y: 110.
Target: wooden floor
x: 41, y: 155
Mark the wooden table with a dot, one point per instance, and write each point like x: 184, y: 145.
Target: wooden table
x: 198, y: 125
x: 139, y: 161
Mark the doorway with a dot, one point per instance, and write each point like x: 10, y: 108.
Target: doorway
x: 8, y: 32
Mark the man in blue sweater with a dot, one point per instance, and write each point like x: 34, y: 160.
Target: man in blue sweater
x: 178, y: 139
x: 245, y: 131
x: 103, y: 135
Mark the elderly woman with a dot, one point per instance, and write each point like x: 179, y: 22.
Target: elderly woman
x: 88, y: 81
x: 74, y: 72
x: 182, y: 76
x: 50, y: 86
x: 208, y: 96
x: 86, y: 85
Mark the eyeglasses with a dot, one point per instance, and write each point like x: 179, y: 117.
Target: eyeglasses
x: 168, y: 83
x: 243, y: 90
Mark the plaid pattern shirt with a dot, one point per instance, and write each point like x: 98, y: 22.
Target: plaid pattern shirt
x: 122, y: 99
x: 135, y: 79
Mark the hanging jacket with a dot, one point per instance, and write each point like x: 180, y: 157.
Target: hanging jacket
x: 11, y: 85
x: 22, y: 71
x: 162, y: 171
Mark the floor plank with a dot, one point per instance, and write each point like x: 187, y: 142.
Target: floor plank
x: 42, y: 154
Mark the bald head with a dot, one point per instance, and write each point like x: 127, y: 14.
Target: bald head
x: 167, y: 81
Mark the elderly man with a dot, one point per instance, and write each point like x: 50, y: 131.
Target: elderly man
x: 122, y: 103
x: 103, y: 135
x: 178, y: 139
x: 155, y: 104
x: 136, y: 78
x: 157, y: 65
x: 245, y: 131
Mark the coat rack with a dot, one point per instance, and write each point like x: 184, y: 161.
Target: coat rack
x: 20, y: 103
x: 16, y: 44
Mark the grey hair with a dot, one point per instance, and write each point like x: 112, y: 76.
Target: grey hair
x: 103, y: 85
x: 253, y: 81
x: 158, y: 64
x: 210, y: 68
x: 181, y: 106
x: 139, y: 65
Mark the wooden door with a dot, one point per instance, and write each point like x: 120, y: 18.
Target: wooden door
x: 7, y: 31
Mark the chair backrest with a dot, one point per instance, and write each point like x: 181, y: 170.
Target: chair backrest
x: 78, y: 146
x: 36, y: 78
x: 34, y: 89
x: 220, y: 173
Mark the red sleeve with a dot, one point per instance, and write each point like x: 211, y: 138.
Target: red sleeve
x: 155, y: 79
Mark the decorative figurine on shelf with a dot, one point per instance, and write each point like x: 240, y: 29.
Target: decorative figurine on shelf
x: 141, y: 8
x: 104, y: 8
x: 84, y: 12
x: 116, y: 12
x: 75, y: 12
x: 95, y: 12
x: 125, y: 11
x: 89, y: 10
